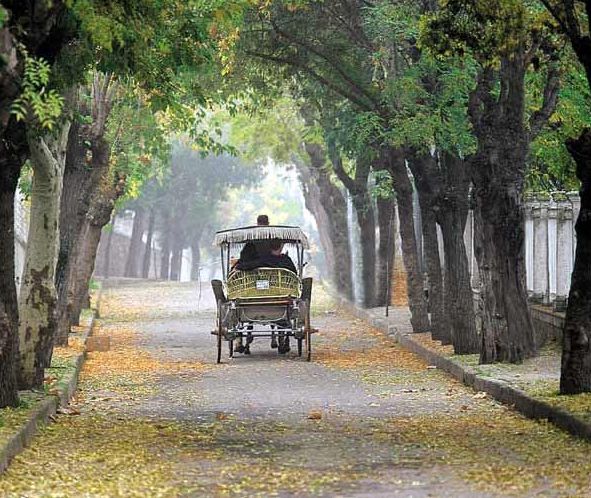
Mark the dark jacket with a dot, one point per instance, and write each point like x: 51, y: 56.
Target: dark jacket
x: 267, y: 261
x: 255, y: 249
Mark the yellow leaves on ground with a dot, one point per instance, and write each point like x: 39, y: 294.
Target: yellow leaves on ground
x: 126, y: 368
x: 359, y: 346
x: 520, y: 453
x: 93, y: 456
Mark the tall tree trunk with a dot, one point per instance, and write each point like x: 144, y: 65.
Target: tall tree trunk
x: 166, y: 243
x: 108, y: 250
x: 334, y: 206
x: 575, y: 375
x: 99, y: 215
x: 135, y: 246
x: 498, y: 171
x: 148, y: 250
x: 37, y: 304
x: 403, y: 188
x: 13, y: 153
x: 359, y: 190
x: 175, y: 263
x: 453, y: 213
x: 424, y: 170
x: 386, y: 248
x: 367, y: 226
x: 195, y: 259
x: 87, y: 163
x: 313, y: 202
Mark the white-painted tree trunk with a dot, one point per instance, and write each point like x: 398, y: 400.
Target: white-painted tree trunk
x: 37, y: 298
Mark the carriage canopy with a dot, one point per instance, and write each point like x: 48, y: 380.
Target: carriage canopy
x: 288, y: 234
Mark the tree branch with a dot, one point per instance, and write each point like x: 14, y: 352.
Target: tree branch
x: 318, y: 77
x: 337, y: 164
x: 551, y: 90
x: 334, y: 64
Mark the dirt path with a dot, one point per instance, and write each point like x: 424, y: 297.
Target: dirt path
x: 156, y: 417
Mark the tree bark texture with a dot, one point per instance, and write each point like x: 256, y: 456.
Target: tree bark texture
x: 195, y: 259
x: 132, y: 265
x: 403, y: 188
x: 452, y: 216
x: 386, y: 248
x: 13, y: 153
x: 424, y: 170
x: 498, y: 170
x: 165, y: 235
x: 575, y: 375
x: 148, y: 251
x: 37, y: 303
x: 331, y: 207
x: 87, y: 162
x: 358, y: 189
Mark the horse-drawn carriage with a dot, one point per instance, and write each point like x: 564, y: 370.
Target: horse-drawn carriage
x: 271, y: 302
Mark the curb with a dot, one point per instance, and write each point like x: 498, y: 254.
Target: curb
x: 46, y: 408
x: 499, y: 390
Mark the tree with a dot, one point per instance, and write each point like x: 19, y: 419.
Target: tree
x: 513, y: 36
x: 573, y: 21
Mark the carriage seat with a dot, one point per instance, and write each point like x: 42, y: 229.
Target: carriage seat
x: 263, y: 283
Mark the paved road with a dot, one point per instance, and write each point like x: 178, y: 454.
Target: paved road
x: 156, y: 417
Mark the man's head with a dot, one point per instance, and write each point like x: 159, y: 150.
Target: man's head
x: 262, y: 220
x: 276, y: 246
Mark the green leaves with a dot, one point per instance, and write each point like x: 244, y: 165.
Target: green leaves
x: 36, y: 100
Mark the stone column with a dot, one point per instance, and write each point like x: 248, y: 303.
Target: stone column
x: 552, y: 241
x: 564, y: 253
x: 540, y: 216
x: 529, y: 246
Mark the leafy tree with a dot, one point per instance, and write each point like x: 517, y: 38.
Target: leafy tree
x: 573, y: 19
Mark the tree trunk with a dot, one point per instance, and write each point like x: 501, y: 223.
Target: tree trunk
x: 108, y: 250
x: 459, y: 299
x: 148, y: 251
x: 87, y: 162
x: 367, y: 227
x: 13, y: 152
x: 313, y: 202
x: 575, y: 375
x: 498, y: 171
x: 386, y: 248
x: 175, y: 263
x: 334, y: 206
x: 403, y: 188
x: 424, y: 170
x: 135, y: 246
x: 38, y: 294
x: 195, y: 260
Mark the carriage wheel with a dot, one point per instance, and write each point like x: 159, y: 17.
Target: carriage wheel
x: 220, y: 331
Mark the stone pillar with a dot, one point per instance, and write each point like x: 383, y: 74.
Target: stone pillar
x: 564, y: 253
x: 529, y: 246
x: 552, y: 241
x: 540, y: 216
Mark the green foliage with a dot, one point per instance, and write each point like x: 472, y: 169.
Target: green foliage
x: 551, y: 166
x: 36, y: 100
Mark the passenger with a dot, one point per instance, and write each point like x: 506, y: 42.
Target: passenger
x: 274, y: 259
